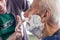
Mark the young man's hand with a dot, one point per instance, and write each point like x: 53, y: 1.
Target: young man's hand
x: 18, y: 30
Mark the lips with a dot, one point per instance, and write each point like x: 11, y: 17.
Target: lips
x: 1, y: 9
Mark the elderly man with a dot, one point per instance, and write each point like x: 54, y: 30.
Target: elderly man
x: 47, y: 10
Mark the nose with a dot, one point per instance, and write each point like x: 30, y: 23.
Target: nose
x: 25, y: 14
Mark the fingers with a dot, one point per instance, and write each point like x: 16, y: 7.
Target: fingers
x: 19, y: 32
x: 18, y: 28
x: 19, y: 23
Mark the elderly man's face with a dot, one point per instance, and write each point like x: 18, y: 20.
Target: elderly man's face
x: 2, y: 6
x: 46, y: 17
x: 38, y: 9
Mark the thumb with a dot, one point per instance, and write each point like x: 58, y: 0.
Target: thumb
x: 19, y: 19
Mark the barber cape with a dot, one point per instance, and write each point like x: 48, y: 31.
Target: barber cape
x: 7, y: 25
x: 35, y: 25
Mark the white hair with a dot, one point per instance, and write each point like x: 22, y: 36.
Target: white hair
x: 54, y: 6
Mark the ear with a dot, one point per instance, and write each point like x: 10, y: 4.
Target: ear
x: 46, y: 15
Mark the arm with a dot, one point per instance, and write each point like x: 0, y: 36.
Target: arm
x: 17, y: 34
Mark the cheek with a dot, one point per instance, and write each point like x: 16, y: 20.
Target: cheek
x: 2, y: 8
x: 26, y: 14
x: 43, y: 20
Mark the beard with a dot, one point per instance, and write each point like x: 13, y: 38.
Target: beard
x: 35, y: 26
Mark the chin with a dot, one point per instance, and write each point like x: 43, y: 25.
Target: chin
x: 3, y: 12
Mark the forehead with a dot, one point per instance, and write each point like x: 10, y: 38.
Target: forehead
x: 36, y: 5
x: 34, y: 8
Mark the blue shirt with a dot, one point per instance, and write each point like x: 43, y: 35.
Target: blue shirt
x: 55, y: 37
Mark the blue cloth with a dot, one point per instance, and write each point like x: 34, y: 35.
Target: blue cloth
x: 55, y: 37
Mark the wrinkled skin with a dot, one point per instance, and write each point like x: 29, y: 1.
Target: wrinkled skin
x: 35, y: 9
